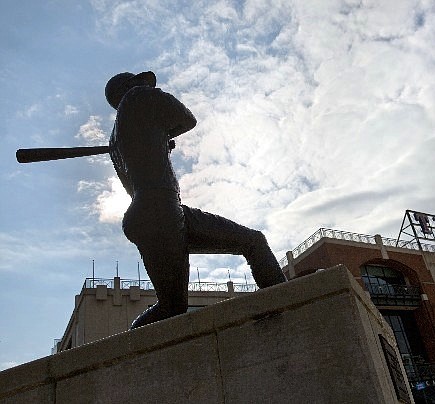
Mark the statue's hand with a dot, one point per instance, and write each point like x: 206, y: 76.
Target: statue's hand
x: 176, y: 131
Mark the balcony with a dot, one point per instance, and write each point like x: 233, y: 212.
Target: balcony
x: 394, y: 295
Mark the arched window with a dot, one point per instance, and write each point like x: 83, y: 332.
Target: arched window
x: 380, y: 279
x: 387, y: 286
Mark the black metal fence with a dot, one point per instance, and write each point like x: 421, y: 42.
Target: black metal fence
x: 394, y: 295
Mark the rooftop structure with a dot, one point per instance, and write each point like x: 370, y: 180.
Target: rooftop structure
x: 106, y: 307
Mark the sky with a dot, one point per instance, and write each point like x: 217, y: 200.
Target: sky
x: 311, y: 113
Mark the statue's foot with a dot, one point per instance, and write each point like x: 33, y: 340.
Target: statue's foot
x: 139, y: 321
x: 151, y: 315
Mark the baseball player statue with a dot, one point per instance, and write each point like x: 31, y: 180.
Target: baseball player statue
x: 164, y: 230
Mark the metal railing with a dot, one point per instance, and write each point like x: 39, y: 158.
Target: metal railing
x: 243, y: 287
x: 394, y: 290
x: 394, y: 295
x: 417, y: 369
x: 283, y: 262
x: 348, y: 236
x: 143, y: 284
x: 91, y: 283
x: 207, y: 287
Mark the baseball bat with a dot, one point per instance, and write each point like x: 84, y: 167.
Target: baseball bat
x: 58, y: 153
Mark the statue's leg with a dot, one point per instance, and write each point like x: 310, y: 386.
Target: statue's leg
x: 208, y: 233
x: 156, y: 225
x: 170, y: 280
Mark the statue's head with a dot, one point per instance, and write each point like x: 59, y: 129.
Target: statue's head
x: 120, y: 84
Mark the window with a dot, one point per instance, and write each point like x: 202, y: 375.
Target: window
x: 387, y: 287
x: 405, y: 330
x: 396, y: 323
x: 380, y: 279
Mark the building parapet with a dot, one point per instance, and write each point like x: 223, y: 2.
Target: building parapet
x: 92, y: 283
x: 356, y: 237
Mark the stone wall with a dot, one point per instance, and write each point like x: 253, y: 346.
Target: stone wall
x: 312, y: 340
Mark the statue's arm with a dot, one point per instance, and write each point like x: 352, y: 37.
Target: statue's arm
x: 177, y: 118
x: 152, y: 106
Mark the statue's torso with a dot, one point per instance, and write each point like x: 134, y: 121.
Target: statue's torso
x: 139, y: 140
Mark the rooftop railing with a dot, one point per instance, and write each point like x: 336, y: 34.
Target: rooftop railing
x: 242, y: 287
x: 143, y: 284
x: 91, y: 283
x: 207, y: 287
x: 348, y: 236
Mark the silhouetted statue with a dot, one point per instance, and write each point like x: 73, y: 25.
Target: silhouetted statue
x: 164, y: 230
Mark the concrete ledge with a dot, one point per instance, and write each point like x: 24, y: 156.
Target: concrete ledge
x: 314, y: 339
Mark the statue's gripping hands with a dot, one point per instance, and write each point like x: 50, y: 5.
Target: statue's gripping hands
x: 164, y: 230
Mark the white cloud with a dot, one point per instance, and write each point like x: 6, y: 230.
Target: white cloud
x: 310, y: 114
x: 110, y: 200
x: 30, y: 111
x: 91, y: 132
x: 111, y: 203
x: 70, y: 110
x: 215, y: 268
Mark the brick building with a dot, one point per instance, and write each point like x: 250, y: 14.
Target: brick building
x: 400, y: 282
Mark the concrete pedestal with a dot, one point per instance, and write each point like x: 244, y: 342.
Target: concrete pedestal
x: 315, y: 339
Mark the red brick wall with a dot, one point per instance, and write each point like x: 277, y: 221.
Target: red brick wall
x: 329, y: 254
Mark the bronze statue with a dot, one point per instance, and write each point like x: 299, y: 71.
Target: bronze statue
x: 165, y: 231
